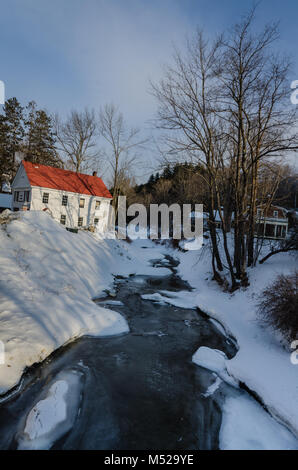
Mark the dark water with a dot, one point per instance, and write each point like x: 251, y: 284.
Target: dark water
x: 140, y: 390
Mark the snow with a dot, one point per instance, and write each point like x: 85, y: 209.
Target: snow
x: 49, y: 276
x: 262, y: 362
x: 54, y: 415
x: 180, y: 299
x: 115, y: 303
x: 214, y: 360
x: 156, y: 297
x: 48, y: 279
x: 49, y: 412
x: 191, y: 244
x: 218, y: 326
x: 247, y: 426
x: 213, y: 387
x: 6, y: 188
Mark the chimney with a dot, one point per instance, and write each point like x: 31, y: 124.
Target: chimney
x: 94, y: 173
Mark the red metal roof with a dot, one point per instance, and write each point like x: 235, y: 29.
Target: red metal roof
x: 65, y: 180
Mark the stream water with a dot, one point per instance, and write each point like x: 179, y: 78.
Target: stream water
x: 139, y: 390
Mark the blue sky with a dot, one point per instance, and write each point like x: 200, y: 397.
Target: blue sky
x: 67, y: 54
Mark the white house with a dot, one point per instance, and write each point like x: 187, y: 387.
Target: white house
x: 73, y: 199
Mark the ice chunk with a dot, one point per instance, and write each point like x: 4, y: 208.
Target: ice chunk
x: 156, y: 297
x: 214, y: 360
x: 54, y: 414
x: 213, y: 387
x: 113, y: 302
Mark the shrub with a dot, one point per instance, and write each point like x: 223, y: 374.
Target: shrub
x: 278, y: 305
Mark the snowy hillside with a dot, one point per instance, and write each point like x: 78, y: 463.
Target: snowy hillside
x: 48, y: 277
x: 263, y: 362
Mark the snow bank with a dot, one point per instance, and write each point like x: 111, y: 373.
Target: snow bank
x: 247, y: 426
x: 214, y: 360
x: 48, y: 277
x: 262, y: 363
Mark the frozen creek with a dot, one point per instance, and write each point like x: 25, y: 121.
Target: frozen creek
x: 139, y: 390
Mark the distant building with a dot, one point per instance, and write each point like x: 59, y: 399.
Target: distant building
x: 73, y: 199
x: 217, y: 219
x: 271, y: 222
x: 6, y: 188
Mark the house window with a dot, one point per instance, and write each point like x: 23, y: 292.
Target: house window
x: 278, y: 231
x: 259, y: 212
x: 275, y: 213
x: 26, y: 196
x: 82, y: 202
x: 16, y: 196
x: 45, y: 198
x: 96, y: 221
x: 97, y: 205
x: 63, y: 219
x: 80, y: 222
x: 64, y: 200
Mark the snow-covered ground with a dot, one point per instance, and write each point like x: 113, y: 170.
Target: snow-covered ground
x: 48, y: 278
x: 263, y: 363
x: 247, y: 426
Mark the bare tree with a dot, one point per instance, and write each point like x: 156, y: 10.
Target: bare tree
x: 227, y: 106
x: 289, y: 244
x: 187, y: 110
x: 261, y: 121
x: 77, y: 140
x: 122, y: 145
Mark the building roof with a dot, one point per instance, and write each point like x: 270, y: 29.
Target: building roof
x: 65, y: 180
x: 272, y: 207
x: 5, y: 200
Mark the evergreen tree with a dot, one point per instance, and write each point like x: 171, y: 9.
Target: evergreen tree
x: 40, y: 141
x: 11, y: 136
